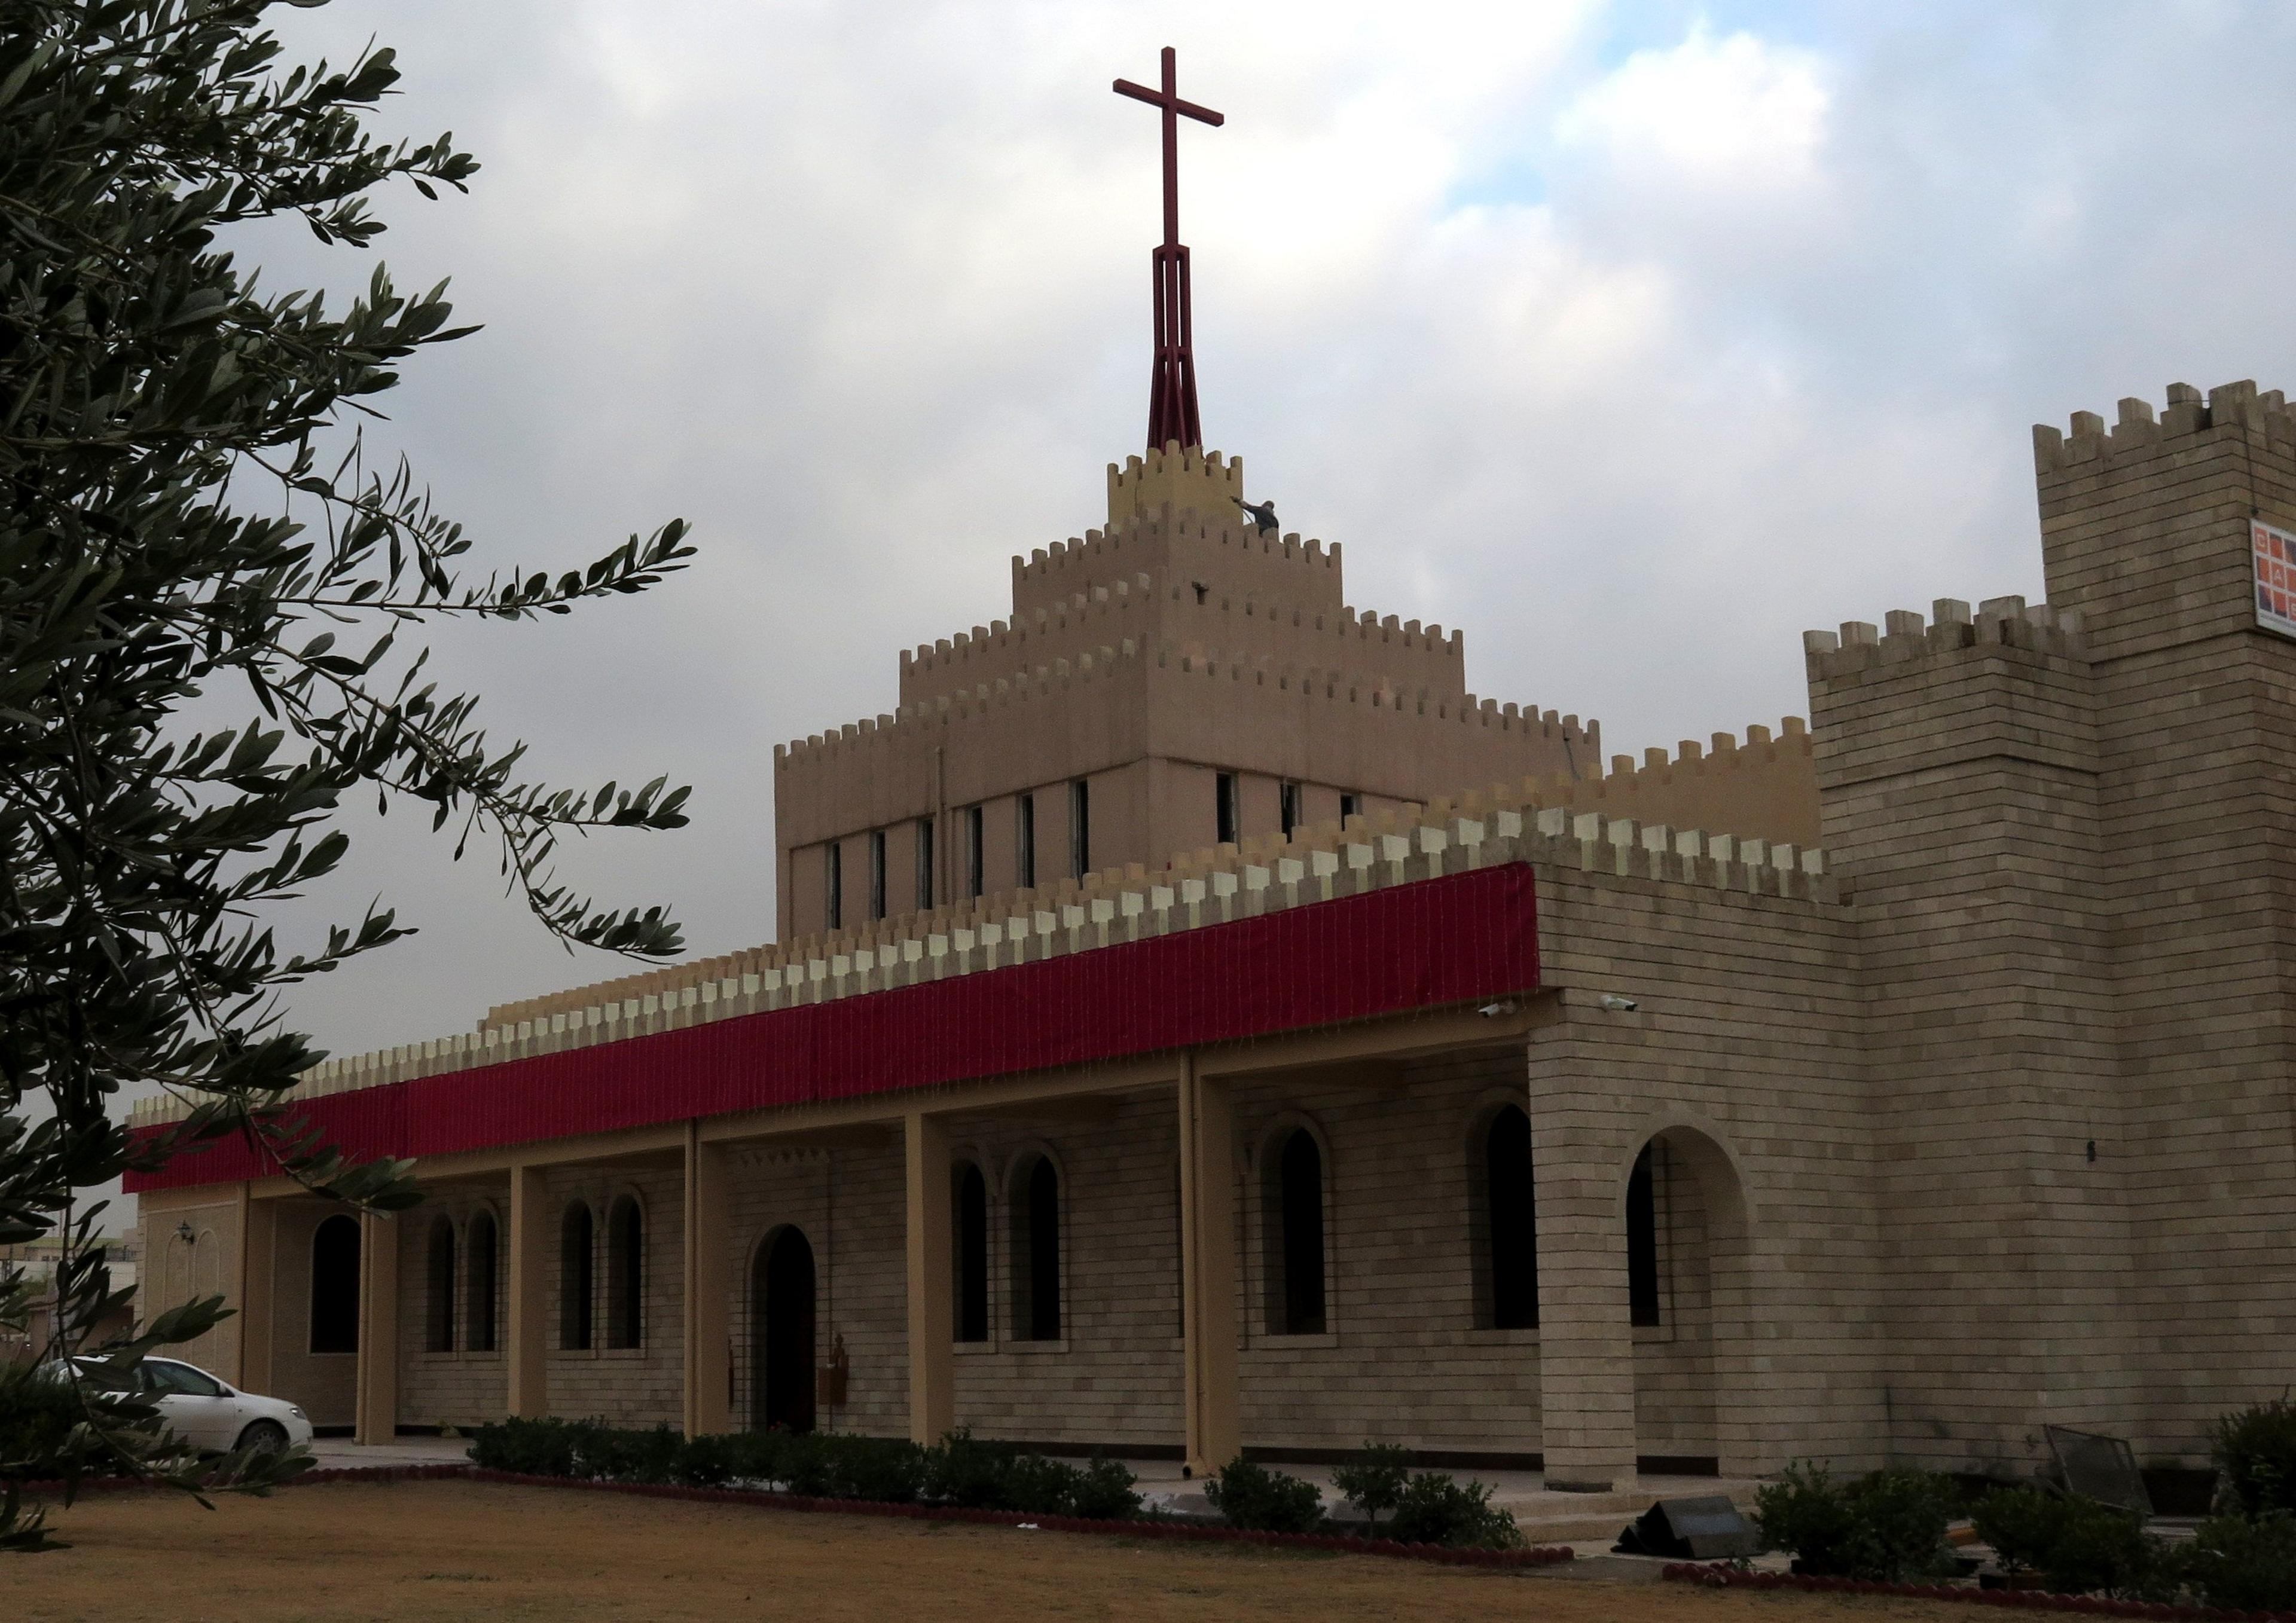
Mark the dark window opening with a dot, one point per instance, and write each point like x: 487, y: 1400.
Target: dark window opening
x: 626, y: 1274
x: 1295, y: 1293
x: 976, y: 868
x: 971, y: 1237
x: 335, y: 1286
x: 1511, y: 1219
x: 1036, y: 1254
x: 439, y: 1315
x: 781, y: 1375
x: 575, y: 1280
x: 1024, y: 840
x: 1224, y: 808
x: 1642, y: 1243
x: 1350, y: 805
x: 832, y: 885
x: 481, y: 1270
x: 1079, y: 828
x: 1287, y: 804
x: 924, y: 863
x: 877, y: 873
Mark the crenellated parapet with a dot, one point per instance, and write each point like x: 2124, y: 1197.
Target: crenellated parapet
x: 1153, y: 611
x: 1177, y: 476
x: 1218, y: 551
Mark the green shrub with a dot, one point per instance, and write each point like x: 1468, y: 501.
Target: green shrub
x: 802, y: 1464
x: 2255, y: 1450
x: 2023, y: 1525
x: 1374, y: 1479
x: 971, y: 1471
x: 1104, y: 1492
x: 627, y: 1455
x: 531, y: 1448
x: 710, y: 1462
x: 1888, y: 1527
x: 2077, y: 1544
x: 2246, y: 1563
x: 1434, y: 1509
x: 37, y: 1411
x: 887, y: 1469
x: 1264, y: 1501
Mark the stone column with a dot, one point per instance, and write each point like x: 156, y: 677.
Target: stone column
x: 257, y: 1294
x: 1208, y: 1270
x: 377, y: 1414
x: 708, y: 1350
x: 1585, y: 1343
x: 525, y: 1344
x: 932, y: 1331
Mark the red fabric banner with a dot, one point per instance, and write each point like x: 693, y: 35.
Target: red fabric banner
x: 1440, y: 941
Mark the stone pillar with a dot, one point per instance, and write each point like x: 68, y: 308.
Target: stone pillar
x: 257, y: 1294
x: 932, y: 1285
x: 1585, y: 1343
x: 525, y: 1344
x: 1208, y: 1270
x: 708, y: 1351
x: 377, y: 1414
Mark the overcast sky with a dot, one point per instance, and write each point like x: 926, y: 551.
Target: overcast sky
x: 1631, y: 338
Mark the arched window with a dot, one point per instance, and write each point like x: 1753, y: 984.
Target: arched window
x: 1642, y: 1243
x: 1036, y: 1253
x: 624, y: 1273
x: 335, y: 1285
x: 439, y: 1301
x: 1293, y: 1221
x: 969, y: 1234
x: 1508, y: 1269
x: 575, y: 1278
x: 482, y: 1244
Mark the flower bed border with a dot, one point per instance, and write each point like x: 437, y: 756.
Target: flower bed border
x: 1539, y: 1555
x: 2029, y: 1600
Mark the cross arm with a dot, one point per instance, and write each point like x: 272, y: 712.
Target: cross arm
x: 1157, y: 98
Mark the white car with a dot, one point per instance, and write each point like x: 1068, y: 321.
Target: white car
x: 214, y: 1415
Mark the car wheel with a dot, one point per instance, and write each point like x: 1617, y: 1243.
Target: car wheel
x: 264, y: 1437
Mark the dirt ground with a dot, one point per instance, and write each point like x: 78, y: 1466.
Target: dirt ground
x: 340, y: 1553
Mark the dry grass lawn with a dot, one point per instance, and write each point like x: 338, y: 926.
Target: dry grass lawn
x: 475, y: 1550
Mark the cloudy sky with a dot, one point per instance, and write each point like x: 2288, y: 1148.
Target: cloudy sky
x: 1633, y: 339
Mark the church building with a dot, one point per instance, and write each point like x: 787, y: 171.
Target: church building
x: 1196, y: 1022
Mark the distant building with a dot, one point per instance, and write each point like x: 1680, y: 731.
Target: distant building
x: 37, y: 1258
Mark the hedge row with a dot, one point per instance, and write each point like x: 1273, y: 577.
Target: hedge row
x: 2029, y: 1600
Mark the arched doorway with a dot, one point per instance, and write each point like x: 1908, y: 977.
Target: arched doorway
x: 781, y: 1334
x: 1686, y: 1241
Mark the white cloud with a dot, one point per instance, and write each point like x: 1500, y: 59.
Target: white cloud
x: 1739, y: 111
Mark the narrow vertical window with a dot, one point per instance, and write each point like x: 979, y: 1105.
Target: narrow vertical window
x: 833, y: 886
x: 1079, y: 828
x: 1224, y: 813
x: 1024, y: 840
x: 1036, y: 1273
x: 924, y: 864
x: 877, y: 873
x: 438, y: 1304
x: 1294, y: 1222
x: 1642, y: 1243
x: 1287, y: 806
x: 481, y: 1262
x: 335, y: 1286
x: 1510, y: 1224
x: 624, y: 1273
x: 970, y: 1236
x: 976, y: 844
x: 575, y: 1281
x: 1350, y: 805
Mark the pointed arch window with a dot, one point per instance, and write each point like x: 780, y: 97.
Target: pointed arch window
x: 577, y: 1234
x: 626, y: 1274
x: 481, y: 1265
x: 1508, y: 1225
x: 335, y: 1285
x: 969, y: 1234
x: 438, y: 1279
x: 1642, y: 1242
x: 1036, y: 1274
x: 1293, y: 1204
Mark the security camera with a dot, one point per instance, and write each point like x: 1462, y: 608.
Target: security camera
x: 1499, y: 1009
x: 1616, y: 1004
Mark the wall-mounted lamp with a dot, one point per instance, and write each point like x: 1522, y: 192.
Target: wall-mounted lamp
x: 184, y: 1233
